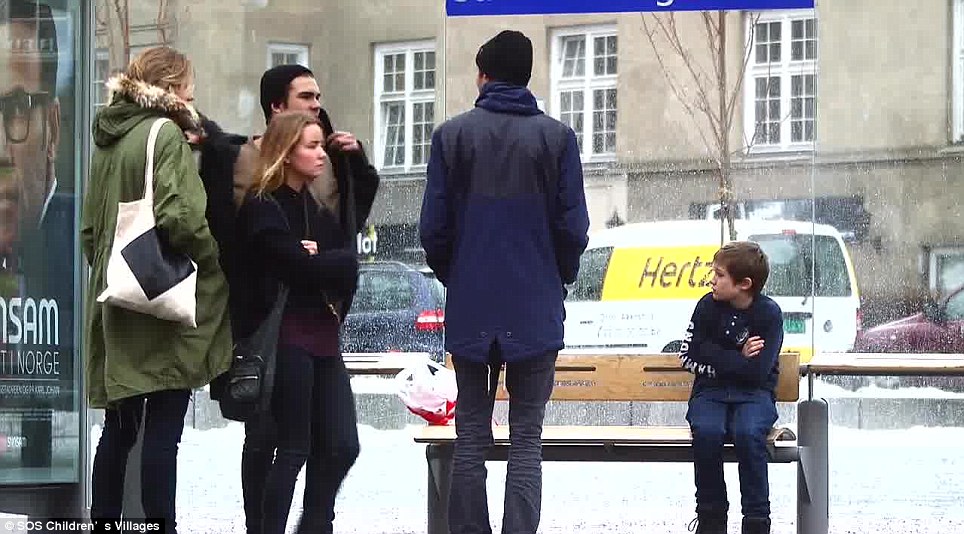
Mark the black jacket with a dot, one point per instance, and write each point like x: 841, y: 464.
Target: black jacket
x: 270, y: 230
x: 219, y: 152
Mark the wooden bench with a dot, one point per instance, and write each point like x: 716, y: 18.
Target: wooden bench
x: 382, y: 363
x: 609, y: 377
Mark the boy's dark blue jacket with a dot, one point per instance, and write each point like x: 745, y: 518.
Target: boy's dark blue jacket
x: 503, y: 224
x: 714, y: 339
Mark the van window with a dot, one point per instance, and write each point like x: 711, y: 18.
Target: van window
x: 792, y: 258
x: 592, y: 270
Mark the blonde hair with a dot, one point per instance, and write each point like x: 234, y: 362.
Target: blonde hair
x: 281, y: 137
x: 163, y: 67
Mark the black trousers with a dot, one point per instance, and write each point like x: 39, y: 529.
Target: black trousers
x: 162, y: 413
x: 313, y: 421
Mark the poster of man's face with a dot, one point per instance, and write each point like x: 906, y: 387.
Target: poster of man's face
x: 38, y: 250
x: 30, y: 116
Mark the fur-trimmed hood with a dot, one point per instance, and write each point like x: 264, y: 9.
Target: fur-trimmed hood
x: 132, y: 101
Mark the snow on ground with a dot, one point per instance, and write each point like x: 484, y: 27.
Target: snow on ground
x: 882, y: 482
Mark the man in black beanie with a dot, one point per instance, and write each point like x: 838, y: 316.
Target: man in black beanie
x: 347, y: 191
x: 503, y: 169
x: 507, y: 58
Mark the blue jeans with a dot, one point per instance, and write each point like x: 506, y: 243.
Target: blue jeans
x: 529, y: 385
x: 162, y: 413
x: 718, y: 415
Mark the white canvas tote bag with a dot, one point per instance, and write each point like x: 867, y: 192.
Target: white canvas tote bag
x: 143, y: 273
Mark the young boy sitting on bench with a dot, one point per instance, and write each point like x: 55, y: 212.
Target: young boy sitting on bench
x: 732, y: 345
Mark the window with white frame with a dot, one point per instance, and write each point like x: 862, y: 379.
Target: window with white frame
x: 287, y: 54
x: 585, y: 66
x: 957, y: 58
x: 405, y: 79
x: 781, y: 81
x: 101, y: 73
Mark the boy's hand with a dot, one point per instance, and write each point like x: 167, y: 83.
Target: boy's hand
x: 752, y: 347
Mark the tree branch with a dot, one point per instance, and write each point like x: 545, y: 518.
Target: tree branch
x: 690, y: 108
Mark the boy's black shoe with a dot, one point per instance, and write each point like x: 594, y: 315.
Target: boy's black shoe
x: 756, y: 525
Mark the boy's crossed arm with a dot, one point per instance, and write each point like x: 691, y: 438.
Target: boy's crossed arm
x: 694, y: 339
x: 749, y: 366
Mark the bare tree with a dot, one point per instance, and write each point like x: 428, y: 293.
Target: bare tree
x: 122, y: 10
x: 163, y: 21
x: 709, y: 98
x: 115, y: 15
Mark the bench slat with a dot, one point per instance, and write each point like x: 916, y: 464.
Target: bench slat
x: 593, y: 435
x: 640, y: 377
x: 856, y: 364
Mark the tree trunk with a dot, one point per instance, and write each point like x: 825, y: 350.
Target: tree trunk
x: 726, y: 189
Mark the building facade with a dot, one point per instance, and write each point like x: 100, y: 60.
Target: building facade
x: 822, y: 122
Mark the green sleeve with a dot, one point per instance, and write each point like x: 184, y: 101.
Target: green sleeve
x: 180, y: 200
x: 87, y: 221
x: 92, y: 210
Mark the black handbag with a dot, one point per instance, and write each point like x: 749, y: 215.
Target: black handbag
x: 250, y: 380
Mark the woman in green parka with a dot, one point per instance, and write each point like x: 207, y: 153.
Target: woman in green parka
x: 139, y: 367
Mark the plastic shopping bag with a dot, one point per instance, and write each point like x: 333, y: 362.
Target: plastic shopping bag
x: 429, y: 390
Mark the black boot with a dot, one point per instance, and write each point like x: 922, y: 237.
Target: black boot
x: 709, y: 522
x: 756, y: 525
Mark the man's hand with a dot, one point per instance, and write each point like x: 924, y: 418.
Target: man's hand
x: 194, y: 137
x: 343, y: 141
x: 310, y: 246
x: 752, y: 347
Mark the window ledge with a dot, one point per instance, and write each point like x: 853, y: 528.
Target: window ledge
x: 599, y: 166
x: 778, y: 156
x: 954, y: 149
x: 402, y: 175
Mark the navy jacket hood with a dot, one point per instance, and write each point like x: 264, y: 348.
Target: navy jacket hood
x: 502, y: 97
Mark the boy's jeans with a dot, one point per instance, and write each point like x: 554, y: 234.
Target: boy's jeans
x: 745, y: 417
x: 529, y: 385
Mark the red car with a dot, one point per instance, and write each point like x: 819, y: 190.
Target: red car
x: 939, y: 328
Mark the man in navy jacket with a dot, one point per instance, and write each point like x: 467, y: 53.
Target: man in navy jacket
x: 503, y: 224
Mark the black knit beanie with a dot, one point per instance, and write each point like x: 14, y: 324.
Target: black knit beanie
x: 507, y: 57
x: 275, y: 82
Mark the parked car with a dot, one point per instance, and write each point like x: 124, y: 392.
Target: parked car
x: 939, y: 327
x: 397, y: 308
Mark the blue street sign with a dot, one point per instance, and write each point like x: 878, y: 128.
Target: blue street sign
x: 465, y: 8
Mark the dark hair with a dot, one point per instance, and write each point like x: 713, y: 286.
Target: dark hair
x: 40, y: 15
x: 744, y: 259
x: 275, y: 84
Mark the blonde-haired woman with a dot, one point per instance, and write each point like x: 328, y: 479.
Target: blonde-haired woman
x: 286, y: 236
x: 139, y: 368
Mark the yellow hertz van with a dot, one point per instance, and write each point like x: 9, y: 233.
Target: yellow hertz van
x: 638, y: 284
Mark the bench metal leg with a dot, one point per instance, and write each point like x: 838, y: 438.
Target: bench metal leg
x: 813, y: 469
x: 439, y: 481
